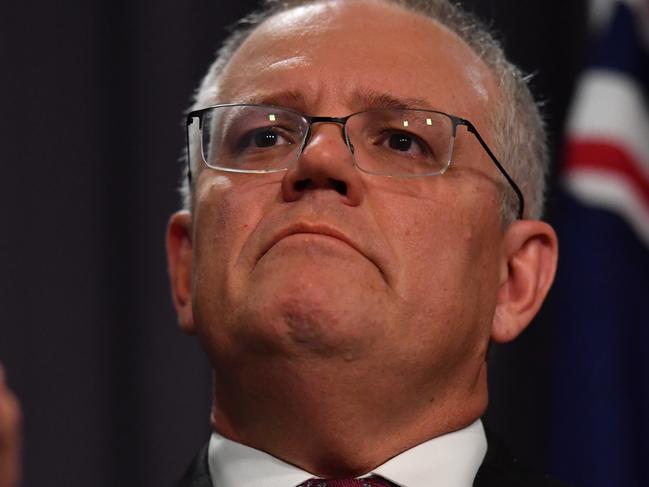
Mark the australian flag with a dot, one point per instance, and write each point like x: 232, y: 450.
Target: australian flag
x: 600, y: 416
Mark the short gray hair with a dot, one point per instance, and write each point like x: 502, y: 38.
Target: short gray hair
x: 519, y: 135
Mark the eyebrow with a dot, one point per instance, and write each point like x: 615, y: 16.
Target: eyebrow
x: 361, y: 99
x: 287, y: 98
x: 367, y: 99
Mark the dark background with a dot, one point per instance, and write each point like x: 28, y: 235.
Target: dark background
x: 91, y: 100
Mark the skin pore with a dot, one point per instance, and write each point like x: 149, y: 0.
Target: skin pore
x: 347, y: 316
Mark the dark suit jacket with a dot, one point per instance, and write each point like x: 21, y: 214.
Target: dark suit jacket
x: 499, y: 469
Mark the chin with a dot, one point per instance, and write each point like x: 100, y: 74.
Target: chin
x: 300, y: 318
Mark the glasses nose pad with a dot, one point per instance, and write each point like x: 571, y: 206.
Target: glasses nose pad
x: 305, y: 142
x: 348, y: 142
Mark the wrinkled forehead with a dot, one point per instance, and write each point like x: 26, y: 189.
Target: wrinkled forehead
x: 335, y: 49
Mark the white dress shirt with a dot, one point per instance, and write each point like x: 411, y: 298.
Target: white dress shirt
x: 450, y: 460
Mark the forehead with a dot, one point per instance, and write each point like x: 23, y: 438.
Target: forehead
x: 335, y: 50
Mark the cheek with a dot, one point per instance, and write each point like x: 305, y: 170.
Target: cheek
x: 218, y: 227
x: 421, y: 235
x: 225, y: 214
x: 448, y: 274
x: 227, y: 210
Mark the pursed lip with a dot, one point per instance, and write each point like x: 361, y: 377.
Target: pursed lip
x: 316, y: 229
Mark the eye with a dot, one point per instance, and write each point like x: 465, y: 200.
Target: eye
x: 265, y: 138
x: 407, y: 144
x: 400, y: 142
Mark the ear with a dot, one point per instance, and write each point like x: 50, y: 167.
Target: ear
x: 179, y: 260
x: 529, y: 261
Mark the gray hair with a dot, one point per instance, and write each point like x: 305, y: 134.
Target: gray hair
x: 520, y: 139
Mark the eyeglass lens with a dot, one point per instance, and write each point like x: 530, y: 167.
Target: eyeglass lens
x: 263, y: 139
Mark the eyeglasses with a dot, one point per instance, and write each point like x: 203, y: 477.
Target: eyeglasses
x: 392, y: 142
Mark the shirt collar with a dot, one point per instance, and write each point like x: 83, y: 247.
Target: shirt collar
x: 451, y: 460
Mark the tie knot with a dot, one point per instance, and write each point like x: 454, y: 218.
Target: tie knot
x: 372, y: 481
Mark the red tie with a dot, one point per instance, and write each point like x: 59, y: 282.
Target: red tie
x: 372, y: 481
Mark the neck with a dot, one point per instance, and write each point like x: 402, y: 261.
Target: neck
x: 335, y: 425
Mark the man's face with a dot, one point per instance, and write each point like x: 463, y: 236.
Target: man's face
x: 324, y: 263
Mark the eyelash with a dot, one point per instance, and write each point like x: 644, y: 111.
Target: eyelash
x: 387, y: 131
x: 246, y: 142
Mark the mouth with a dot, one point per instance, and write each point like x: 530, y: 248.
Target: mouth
x: 312, y: 229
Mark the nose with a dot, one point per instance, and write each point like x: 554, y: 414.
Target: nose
x: 325, y: 164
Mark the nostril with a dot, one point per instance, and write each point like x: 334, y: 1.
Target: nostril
x: 339, y: 186
x: 301, y: 184
x: 336, y: 184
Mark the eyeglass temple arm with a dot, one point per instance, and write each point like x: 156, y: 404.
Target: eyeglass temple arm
x: 189, y: 121
x: 519, y: 195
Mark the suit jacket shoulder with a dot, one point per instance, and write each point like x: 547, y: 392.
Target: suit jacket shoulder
x: 501, y: 469
x: 198, y: 472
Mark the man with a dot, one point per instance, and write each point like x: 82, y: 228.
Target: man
x: 345, y: 274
